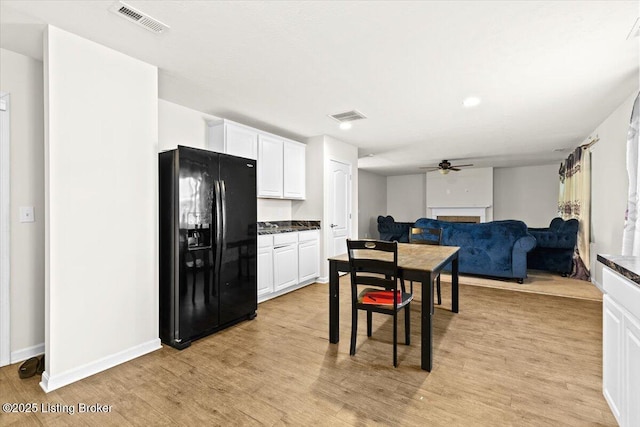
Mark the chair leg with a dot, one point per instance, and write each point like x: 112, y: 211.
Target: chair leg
x: 369, y: 322
x: 438, y: 290
x: 354, y: 330
x: 411, y: 284
x: 395, y: 339
x: 407, y: 324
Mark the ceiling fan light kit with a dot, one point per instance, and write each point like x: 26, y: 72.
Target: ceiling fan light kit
x: 445, y: 166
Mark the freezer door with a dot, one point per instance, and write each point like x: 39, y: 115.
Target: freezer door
x: 237, y: 280
x: 198, y: 299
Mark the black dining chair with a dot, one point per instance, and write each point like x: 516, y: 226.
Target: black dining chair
x: 374, y: 287
x: 427, y: 236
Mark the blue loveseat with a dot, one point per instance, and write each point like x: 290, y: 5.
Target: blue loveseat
x: 555, y: 246
x: 391, y: 230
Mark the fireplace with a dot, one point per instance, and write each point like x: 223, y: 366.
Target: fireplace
x: 473, y: 214
x: 470, y: 219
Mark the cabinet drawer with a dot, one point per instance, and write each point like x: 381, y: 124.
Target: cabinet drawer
x: 306, y: 236
x: 622, y: 290
x: 285, y: 238
x: 265, y: 241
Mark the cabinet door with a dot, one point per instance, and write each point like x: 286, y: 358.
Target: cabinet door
x: 631, y: 369
x: 269, y: 166
x: 612, y: 354
x: 285, y: 266
x: 294, y: 170
x: 265, y: 271
x: 308, y: 260
x: 241, y: 141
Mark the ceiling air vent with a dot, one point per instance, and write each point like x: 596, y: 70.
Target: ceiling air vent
x: 348, y: 116
x: 134, y: 15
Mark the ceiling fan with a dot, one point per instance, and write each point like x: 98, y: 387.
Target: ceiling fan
x: 445, y: 166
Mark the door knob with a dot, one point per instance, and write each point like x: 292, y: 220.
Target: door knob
x: 333, y: 225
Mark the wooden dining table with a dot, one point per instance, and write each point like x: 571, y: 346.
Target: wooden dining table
x: 419, y: 263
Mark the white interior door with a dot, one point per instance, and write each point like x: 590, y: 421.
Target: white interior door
x: 340, y: 207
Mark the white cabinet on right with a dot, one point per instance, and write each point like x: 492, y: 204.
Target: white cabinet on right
x: 308, y: 255
x: 621, y: 347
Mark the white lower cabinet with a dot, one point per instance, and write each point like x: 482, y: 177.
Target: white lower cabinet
x: 265, y: 265
x: 287, y: 261
x: 621, y: 347
x: 308, y: 255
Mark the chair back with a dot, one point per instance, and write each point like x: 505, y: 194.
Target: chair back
x: 373, y: 263
x: 425, y: 236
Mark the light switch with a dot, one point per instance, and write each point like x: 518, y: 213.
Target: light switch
x: 26, y: 214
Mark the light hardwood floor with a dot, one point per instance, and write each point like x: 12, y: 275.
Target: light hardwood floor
x: 508, y: 358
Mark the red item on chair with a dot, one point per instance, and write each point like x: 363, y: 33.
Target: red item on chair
x: 381, y: 298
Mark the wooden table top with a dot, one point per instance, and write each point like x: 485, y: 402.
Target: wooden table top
x: 414, y: 256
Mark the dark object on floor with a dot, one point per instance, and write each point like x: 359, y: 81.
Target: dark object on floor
x: 555, y: 246
x: 31, y: 366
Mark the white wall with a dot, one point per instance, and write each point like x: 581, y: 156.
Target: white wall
x: 21, y: 77
x: 101, y: 192
x: 312, y: 207
x: 609, y: 184
x: 372, y: 201
x: 465, y: 188
x: 528, y: 193
x: 178, y: 125
x: 406, y: 197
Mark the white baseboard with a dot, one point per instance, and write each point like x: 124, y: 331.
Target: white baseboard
x: 597, y: 285
x: 323, y: 279
x: 25, y: 353
x: 50, y: 383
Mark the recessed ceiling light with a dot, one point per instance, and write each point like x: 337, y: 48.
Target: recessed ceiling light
x: 472, y: 101
x: 345, y: 125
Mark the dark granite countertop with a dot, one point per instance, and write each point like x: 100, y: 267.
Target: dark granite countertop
x: 627, y: 266
x: 276, y: 227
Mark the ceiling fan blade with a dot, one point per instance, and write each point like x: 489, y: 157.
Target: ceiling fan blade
x: 461, y: 166
x: 453, y: 168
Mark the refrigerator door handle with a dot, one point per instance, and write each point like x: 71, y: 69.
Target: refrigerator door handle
x: 223, y: 197
x: 217, y: 261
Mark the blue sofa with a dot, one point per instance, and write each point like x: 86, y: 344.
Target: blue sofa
x: 497, y: 248
x: 555, y: 246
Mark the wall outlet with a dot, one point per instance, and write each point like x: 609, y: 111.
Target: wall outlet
x: 26, y: 214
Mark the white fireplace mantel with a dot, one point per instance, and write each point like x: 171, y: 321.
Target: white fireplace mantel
x: 480, y: 211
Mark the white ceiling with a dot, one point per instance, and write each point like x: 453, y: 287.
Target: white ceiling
x: 548, y: 72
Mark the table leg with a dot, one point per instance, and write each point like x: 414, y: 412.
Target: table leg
x: 334, y: 303
x: 454, y: 284
x: 427, y: 323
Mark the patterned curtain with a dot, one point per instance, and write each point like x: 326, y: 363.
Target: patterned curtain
x: 631, y: 233
x: 575, y: 202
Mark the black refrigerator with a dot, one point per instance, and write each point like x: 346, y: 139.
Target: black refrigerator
x: 208, y: 241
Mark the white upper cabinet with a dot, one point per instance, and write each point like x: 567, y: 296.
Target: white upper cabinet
x: 294, y: 170
x: 232, y: 138
x: 281, y: 162
x: 270, y: 166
